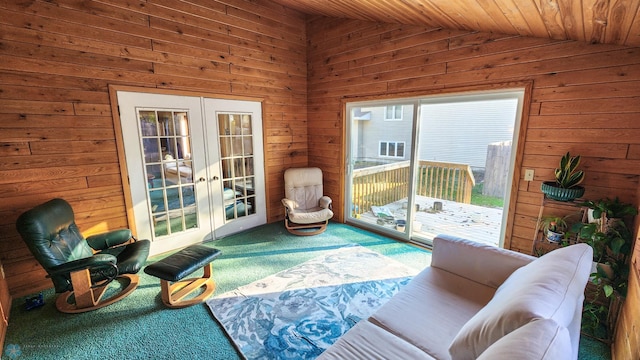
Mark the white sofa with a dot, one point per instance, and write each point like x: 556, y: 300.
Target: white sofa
x: 479, y: 302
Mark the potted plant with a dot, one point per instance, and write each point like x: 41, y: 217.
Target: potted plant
x: 568, y: 177
x: 611, y: 239
x: 554, y: 228
x: 610, y: 273
x: 611, y: 250
x: 607, y: 210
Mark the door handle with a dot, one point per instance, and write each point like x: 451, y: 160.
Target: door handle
x: 202, y: 179
x: 215, y: 178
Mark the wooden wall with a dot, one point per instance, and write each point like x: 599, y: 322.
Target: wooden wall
x: 57, y: 60
x: 585, y: 99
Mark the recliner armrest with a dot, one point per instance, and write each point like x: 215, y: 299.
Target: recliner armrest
x: 289, y: 204
x: 94, y: 261
x: 109, y: 239
x: 325, y: 202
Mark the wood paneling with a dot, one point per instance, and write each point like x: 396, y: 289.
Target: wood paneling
x: 57, y: 60
x: 593, y: 21
x: 627, y: 342
x: 584, y: 99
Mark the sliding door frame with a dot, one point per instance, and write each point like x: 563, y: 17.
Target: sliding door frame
x: 517, y: 154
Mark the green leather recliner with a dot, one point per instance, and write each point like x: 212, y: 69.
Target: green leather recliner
x: 77, y: 266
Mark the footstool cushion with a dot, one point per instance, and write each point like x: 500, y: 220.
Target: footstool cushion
x: 175, y: 267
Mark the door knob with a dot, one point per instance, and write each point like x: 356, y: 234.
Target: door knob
x: 202, y: 179
x: 216, y: 178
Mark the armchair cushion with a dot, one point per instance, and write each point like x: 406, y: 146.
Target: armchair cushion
x: 310, y: 216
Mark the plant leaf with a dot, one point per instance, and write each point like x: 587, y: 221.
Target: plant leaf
x: 608, y: 290
x: 616, y: 245
x: 573, y: 163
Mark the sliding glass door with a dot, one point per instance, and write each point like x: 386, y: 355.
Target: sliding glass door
x: 423, y: 166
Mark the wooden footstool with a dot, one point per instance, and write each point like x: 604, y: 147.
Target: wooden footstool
x: 175, y: 267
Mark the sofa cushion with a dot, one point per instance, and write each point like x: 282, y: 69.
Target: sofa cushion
x: 485, y: 264
x: 551, y: 287
x: 368, y: 341
x: 538, y: 340
x: 432, y: 308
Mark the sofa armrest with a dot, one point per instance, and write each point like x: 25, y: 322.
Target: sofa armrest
x: 485, y: 264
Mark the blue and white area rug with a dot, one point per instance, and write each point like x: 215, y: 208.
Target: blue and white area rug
x: 301, y: 311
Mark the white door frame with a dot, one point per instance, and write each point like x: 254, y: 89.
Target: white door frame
x: 205, y: 168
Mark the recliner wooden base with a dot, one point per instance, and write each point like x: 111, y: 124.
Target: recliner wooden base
x: 88, y: 299
x: 177, y: 292
x: 296, y: 229
x: 173, y: 294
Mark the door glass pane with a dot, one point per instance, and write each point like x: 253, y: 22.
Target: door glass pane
x: 166, y: 144
x: 236, y: 155
x: 380, y: 171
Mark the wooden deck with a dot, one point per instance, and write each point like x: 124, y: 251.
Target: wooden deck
x: 467, y: 221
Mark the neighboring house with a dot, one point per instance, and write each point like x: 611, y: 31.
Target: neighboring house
x: 382, y: 133
x: 458, y: 132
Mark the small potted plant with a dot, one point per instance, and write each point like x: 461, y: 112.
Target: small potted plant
x: 554, y: 228
x: 568, y: 177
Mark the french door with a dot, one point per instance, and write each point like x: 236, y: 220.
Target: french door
x: 195, y: 167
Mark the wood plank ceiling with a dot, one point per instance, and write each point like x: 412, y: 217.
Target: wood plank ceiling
x: 593, y: 21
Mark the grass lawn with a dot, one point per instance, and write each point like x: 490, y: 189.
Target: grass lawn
x: 483, y: 200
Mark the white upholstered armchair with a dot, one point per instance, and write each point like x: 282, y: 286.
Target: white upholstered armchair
x: 307, y: 210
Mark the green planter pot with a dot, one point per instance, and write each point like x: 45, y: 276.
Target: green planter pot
x: 550, y: 189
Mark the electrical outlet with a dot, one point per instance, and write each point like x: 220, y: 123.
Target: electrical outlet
x: 528, y: 175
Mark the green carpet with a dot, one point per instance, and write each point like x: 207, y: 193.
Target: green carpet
x: 140, y: 327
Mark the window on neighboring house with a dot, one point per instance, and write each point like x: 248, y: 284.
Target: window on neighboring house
x: 392, y: 149
x: 393, y: 113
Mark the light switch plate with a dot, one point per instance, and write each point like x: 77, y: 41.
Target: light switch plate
x: 528, y: 175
